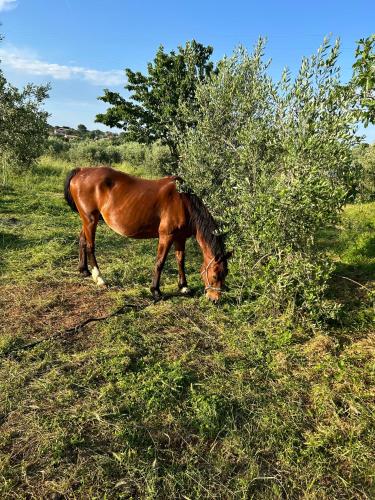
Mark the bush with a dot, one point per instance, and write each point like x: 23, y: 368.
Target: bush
x: 159, y: 160
x: 133, y: 152
x: 155, y: 157
x: 273, y: 162
x: 94, y: 153
x: 58, y: 148
x: 365, y: 155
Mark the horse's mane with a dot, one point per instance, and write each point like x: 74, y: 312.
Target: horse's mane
x: 202, y: 221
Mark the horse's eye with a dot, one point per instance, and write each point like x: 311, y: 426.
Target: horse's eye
x: 214, y: 277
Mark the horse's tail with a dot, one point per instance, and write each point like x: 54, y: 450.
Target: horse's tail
x: 67, y: 194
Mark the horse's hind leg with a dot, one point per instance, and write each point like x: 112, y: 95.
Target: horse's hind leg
x: 89, y: 227
x: 179, y: 246
x: 82, y: 266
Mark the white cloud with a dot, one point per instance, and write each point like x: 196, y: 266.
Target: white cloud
x: 7, y: 4
x: 28, y: 63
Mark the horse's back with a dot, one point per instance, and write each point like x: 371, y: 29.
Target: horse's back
x: 106, y: 179
x: 131, y: 206
x: 98, y: 178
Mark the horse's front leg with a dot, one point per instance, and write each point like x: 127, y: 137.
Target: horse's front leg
x: 179, y: 246
x: 165, y: 242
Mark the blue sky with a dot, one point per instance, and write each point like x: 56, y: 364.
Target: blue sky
x: 82, y: 46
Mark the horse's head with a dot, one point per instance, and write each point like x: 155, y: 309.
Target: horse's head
x: 214, y: 272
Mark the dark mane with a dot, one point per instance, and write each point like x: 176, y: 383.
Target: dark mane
x: 203, y: 221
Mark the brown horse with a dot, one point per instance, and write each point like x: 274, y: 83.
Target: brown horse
x: 141, y: 208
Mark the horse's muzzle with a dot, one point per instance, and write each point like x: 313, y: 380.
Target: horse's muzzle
x: 214, y: 297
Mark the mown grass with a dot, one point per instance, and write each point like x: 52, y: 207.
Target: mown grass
x: 179, y: 399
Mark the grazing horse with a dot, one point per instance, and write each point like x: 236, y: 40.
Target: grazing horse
x: 141, y: 208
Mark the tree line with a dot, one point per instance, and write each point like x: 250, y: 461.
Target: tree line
x: 161, y: 106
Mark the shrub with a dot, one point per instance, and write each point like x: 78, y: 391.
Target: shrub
x: 155, y: 157
x: 58, y: 148
x: 273, y: 161
x: 365, y: 155
x: 94, y: 153
x: 159, y: 160
x: 133, y: 152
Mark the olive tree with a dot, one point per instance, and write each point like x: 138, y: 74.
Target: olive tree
x: 364, y: 79
x: 273, y: 161
x: 23, y: 123
x: 365, y: 155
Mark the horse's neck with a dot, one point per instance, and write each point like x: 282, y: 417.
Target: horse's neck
x: 205, y: 247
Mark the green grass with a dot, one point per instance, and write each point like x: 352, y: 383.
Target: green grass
x: 180, y: 399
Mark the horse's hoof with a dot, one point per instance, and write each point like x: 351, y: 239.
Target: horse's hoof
x: 156, y: 294
x: 85, y: 273
x: 185, y: 290
x: 97, y: 277
x: 100, y: 282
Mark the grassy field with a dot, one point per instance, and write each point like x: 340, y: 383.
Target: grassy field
x: 179, y: 399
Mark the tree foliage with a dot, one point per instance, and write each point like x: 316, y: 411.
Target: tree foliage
x: 23, y: 123
x: 82, y: 129
x: 273, y: 160
x: 364, y: 78
x: 153, y: 110
x: 365, y: 155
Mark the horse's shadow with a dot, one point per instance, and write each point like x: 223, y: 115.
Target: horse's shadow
x: 170, y: 295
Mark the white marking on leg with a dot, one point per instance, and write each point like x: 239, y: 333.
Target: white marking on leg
x: 97, y: 277
x: 95, y: 273
x: 185, y: 290
x: 100, y: 281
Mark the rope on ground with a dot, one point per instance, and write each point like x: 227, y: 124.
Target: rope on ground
x: 355, y: 282
x: 77, y: 328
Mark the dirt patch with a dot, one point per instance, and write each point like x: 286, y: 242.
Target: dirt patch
x: 11, y: 221
x: 41, y: 308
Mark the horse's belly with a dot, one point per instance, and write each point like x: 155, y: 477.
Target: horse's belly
x: 138, y: 229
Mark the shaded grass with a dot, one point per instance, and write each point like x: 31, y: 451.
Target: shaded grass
x: 181, y: 399
x: 353, y: 243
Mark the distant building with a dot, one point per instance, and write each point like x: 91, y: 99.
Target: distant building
x: 64, y: 132
x: 69, y: 133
